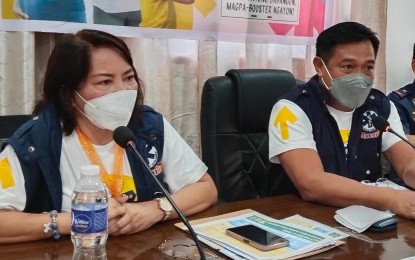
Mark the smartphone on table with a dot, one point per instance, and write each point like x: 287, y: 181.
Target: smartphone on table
x: 384, y: 225
x: 257, y: 237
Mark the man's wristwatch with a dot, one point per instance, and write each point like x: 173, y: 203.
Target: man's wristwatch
x: 165, y: 206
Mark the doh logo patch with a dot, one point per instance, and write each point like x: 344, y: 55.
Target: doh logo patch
x: 282, y: 120
x: 367, y: 121
x: 157, y: 169
x: 152, y: 156
x: 369, y: 131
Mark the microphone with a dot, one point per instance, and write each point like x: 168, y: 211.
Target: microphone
x: 381, y: 124
x: 124, y: 137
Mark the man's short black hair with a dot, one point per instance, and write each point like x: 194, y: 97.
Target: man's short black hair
x: 413, y: 54
x: 346, y: 32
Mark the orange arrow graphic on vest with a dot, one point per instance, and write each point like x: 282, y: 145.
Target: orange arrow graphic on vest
x: 284, y: 116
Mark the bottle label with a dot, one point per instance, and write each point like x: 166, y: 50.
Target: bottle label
x: 87, y: 221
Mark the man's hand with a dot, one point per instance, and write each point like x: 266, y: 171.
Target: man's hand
x: 403, y: 204
x: 18, y: 11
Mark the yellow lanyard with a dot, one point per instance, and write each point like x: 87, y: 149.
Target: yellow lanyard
x: 113, y: 181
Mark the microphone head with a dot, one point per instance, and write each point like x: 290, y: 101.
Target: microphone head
x: 123, y: 135
x: 380, y: 123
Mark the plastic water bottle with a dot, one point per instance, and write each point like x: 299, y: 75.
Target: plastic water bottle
x: 89, y: 230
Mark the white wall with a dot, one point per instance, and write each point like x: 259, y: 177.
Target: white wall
x: 400, y: 39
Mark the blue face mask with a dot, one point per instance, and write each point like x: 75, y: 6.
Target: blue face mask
x: 350, y: 90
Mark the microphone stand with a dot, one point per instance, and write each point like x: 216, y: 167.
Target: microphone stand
x: 389, y: 129
x: 132, y: 147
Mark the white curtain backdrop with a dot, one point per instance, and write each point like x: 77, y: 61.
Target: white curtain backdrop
x: 174, y: 71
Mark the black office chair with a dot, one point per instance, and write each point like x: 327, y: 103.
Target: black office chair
x: 235, y: 112
x: 9, y: 124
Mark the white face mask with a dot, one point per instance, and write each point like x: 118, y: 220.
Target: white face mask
x: 110, y: 111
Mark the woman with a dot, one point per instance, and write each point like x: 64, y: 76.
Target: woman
x: 90, y: 88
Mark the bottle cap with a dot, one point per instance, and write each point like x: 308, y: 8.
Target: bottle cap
x: 90, y: 170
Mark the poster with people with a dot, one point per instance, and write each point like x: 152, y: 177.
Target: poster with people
x: 282, y: 21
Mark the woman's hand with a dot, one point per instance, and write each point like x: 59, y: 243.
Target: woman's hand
x: 128, y: 218
x: 116, y: 210
x: 18, y: 11
x: 137, y: 217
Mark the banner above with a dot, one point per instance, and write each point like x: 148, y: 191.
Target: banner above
x: 262, y: 21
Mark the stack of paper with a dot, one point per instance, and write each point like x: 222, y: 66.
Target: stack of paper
x: 305, y: 236
x: 360, y: 218
x: 386, y: 184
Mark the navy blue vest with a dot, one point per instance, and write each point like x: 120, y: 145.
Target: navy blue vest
x: 404, y: 100
x: 38, y: 146
x: 362, y: 161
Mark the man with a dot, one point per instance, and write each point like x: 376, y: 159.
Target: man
x: 122, y: 13
x: 322, y: 135
x: 404, y: 100
x: 160, y: 13
x: 51, y: 10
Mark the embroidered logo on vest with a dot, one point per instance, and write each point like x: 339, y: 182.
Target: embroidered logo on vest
x: 152, y: 157
x: 367, y: 121
x: 157, y: 169
x: 369, y: 131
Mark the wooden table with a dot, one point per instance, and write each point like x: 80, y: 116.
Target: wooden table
x: 396, y: 244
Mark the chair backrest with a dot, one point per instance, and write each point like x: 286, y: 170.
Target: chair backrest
x: 9, y: 124
x: 235, y: 111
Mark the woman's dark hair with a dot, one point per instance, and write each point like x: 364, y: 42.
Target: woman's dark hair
x: 346, y: 32
x: 69, y: 65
